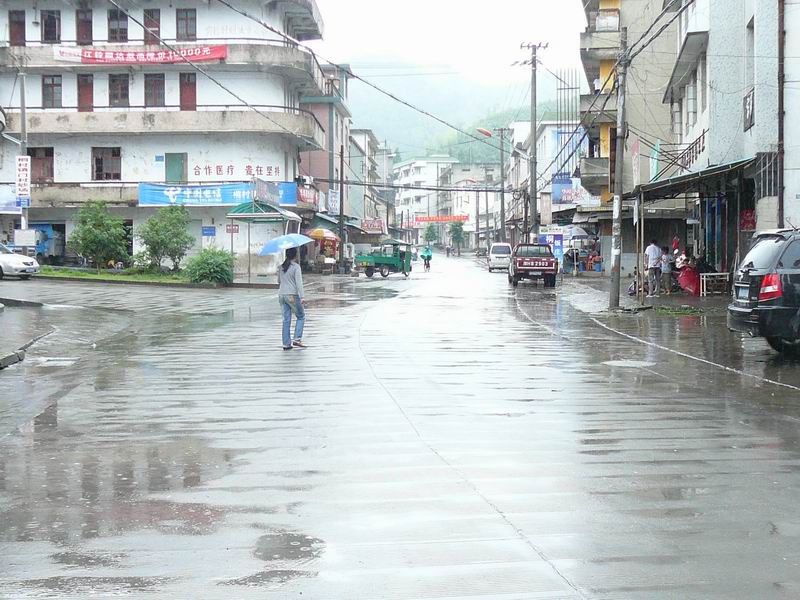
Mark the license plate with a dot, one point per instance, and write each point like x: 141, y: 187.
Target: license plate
x: 743, y: 293
x: 534, y: 273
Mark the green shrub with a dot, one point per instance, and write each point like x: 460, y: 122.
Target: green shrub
x: 165, y: 235
x: 99, y: 236
x: 211, y: 265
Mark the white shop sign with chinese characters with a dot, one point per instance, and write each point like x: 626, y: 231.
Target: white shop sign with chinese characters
x: 23, y: 181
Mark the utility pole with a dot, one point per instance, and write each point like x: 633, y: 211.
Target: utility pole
x: 488, y: 242
x: 503, y: 184
x: 23, y: 131
x: 616, y: 230
x: 477, y: 219
x: 533, y: 183
x: 341, y: 208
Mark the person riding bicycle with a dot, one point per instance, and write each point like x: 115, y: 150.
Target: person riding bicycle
x: 426, y: 255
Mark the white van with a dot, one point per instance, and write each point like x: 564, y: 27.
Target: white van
x: 499, y: 257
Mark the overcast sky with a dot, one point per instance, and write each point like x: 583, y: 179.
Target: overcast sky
x: 479, y: 40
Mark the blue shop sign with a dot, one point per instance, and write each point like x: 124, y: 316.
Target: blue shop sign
x: 219, y: 194
x: 209, y: 231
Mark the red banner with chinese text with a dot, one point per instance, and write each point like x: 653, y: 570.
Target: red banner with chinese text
x: 138, y: 55
x: 443, y: 219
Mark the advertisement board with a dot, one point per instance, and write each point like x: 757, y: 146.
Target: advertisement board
x: 443, y: 219
x: 374, y: 226
x: 23, y: 181
x: 553, y: 235
x: 220, y: 194
x: 138, y: 55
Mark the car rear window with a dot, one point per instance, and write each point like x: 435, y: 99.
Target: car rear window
x: 534, y: 251
x: 764, y: 252
x: 504, y: 250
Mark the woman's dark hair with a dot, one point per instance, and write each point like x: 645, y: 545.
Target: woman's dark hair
x: 291, y: 254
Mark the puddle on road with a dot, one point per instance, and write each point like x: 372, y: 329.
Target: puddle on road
x: 87, y: 559
x: 288, y: 546
x: 285, y: 549
x: 266, y: 578
x: 629, y: 364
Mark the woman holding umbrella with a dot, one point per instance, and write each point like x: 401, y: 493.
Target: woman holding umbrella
x: 292, y: 299
x: 291, y: 294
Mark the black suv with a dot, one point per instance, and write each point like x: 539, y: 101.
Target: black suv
x: 766, y: 291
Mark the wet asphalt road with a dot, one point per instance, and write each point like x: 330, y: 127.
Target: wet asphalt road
x: 443, y: 437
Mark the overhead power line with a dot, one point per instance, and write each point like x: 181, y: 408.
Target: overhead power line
x: 352, y: 75
x: 627, y: 56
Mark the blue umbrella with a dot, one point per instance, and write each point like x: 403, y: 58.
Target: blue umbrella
x: 284, y: 242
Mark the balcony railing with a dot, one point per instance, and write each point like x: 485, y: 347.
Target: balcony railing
x: 264, y: 118
x: 38, y: 55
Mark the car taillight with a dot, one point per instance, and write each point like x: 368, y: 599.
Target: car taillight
x: 770, y: 287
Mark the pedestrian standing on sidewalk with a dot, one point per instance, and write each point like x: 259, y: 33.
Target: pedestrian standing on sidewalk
x: 653, y: 257
x: 666, y: 270
x: 292, y: 298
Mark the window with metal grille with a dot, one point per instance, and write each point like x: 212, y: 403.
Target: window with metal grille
x: 106, y: 164
x: 118, y: 90
x: 51, y: 26
x: 51, y: 91
x: 186, y: 23
x: 117, y: 26
x: 154, y: 89
x: 83, y: 27
x: 41, y: 164
x: 16, y: 27
x: 152, y: 23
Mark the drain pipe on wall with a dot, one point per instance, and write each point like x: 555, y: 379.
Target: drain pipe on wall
x: 781, y: 111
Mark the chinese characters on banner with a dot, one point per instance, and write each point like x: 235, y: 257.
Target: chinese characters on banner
x: 443, y: 219
x: 138, y: 55
x: 154, y: 194
x: 232, y: 170
x: 554, y: 236
x: 374, y: 226
x: 23, y: 181
x: 308, y: 195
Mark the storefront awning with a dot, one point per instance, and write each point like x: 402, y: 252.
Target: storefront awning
x: 687, y: 183
x: 261, y: 212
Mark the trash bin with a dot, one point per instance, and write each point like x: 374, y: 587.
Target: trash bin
x: 581, y: 266
x: 598, y: 267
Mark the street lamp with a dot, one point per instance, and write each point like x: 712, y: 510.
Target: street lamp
x: 502, y: 131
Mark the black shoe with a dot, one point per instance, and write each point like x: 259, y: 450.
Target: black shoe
x: 287, y: 347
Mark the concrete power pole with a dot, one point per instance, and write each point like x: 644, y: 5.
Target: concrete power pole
x: 503, y: 184
x: 533, y: 184
x: 23, y: 133
x: 616, y: 230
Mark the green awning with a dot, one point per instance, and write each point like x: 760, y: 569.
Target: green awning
x: 261, y: 212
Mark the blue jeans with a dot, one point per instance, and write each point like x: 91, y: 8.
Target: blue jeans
x: 289, y: 305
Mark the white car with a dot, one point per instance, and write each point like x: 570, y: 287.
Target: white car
x: 499, y: 257
x: 16, y: 265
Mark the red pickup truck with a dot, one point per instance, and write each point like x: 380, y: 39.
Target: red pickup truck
x: 533, y: 261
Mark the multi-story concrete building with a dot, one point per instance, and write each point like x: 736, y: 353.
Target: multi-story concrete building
x: 480, y: 205
x: 374, y: 204
x: 648, y: 75
x: 329, y: 106
x: 418, y: 172
x: 110, y: 106
x: 649, y: 139
x: 723, y: 98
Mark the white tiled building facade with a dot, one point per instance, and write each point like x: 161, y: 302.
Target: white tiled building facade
x: 107, y: 108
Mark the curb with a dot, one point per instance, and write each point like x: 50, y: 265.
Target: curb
x: 18, y: 355
x: 202, y: 286
x: 12, y: 359
x: 113, y: 282
x: 15, y: 302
